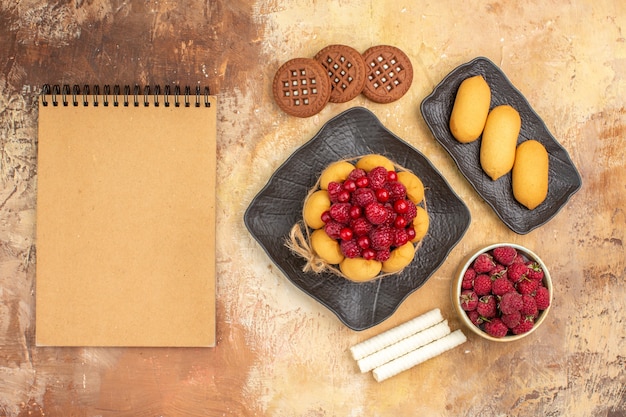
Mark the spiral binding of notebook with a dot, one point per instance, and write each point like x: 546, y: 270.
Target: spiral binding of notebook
x: 127, y: 96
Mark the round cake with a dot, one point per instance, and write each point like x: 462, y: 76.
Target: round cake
x: 364, y: 218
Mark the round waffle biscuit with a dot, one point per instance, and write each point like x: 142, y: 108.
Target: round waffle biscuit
x: 389, y: 73
x: 301, y: 87
x: 346, y: 71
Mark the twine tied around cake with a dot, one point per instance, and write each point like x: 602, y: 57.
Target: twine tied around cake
x: 298, y: 242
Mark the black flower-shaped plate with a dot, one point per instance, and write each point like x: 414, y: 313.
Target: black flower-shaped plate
x: 564, y: 179
x: 278, y: 206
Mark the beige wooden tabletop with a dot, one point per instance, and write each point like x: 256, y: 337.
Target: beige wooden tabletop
x: 279, y: 352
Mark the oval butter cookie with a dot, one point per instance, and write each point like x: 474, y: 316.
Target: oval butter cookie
x: 530, y: 174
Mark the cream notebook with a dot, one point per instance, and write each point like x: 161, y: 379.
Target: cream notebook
x: 126, y: 219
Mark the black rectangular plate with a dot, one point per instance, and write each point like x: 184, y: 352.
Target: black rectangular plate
x: 564, y: 179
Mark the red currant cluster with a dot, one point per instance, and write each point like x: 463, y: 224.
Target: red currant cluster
x: 370, y: 214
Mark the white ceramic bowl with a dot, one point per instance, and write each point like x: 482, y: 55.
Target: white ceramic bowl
x: 457, y: 289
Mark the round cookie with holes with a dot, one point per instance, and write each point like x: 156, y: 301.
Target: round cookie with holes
x: 389, y: 73
x: 301, y: 87
x: 346, y: 71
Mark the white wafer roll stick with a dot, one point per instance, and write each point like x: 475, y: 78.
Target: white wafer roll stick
x: 404, y: 346
x: 395, y: 334
x: 419, y: 355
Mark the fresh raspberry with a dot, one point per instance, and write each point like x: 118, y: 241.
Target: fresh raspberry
x: 496, y: 328
x: 524, y: 326
x: 519, y: 259
x: 350, y: 248
x: 340, y: 212
x: 504, y: 255
x: 467, y: 281
x: 383, y: 255
x: 527, y: 286
x: 517, y: 271
x: 487, y: 306
x: 510, y: 302
x: 361, y: 226
x: 469, y: 300
x: 396, y: 189
x: 469, y: 274
x: 333, y: 229
x: 542, y: 298
x: 501, y: 286
x: 498, y: 271
x: 334, y: 188
x: 356, y: 174
x: 475, y: 317
x: 356, y: 212
x: 376, y: 213
x: 529, y: 306
x: 411, y: 211
x: 401, y: 237
x: 381, y: 237
x: 363, y: 197
x: 511, y: 320
x: 483, y: 263
x: 535, y: 272
x: 391, y: 215
x: 377, y: 177
x: 482, y: 284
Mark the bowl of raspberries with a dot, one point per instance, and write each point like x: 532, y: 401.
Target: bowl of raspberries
x: 503, y: 292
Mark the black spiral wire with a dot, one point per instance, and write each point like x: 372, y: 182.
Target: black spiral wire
x: 116, y: 97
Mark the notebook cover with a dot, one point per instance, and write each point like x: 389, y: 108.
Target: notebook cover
x: 126, y: 225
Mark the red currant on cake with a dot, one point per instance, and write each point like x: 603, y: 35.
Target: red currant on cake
x: 382, y: 195
x: 346, y: 234
x: 349, y: 185
x: 400, y: 206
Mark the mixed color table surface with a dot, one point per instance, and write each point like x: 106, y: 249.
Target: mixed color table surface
x: 279, y: 352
